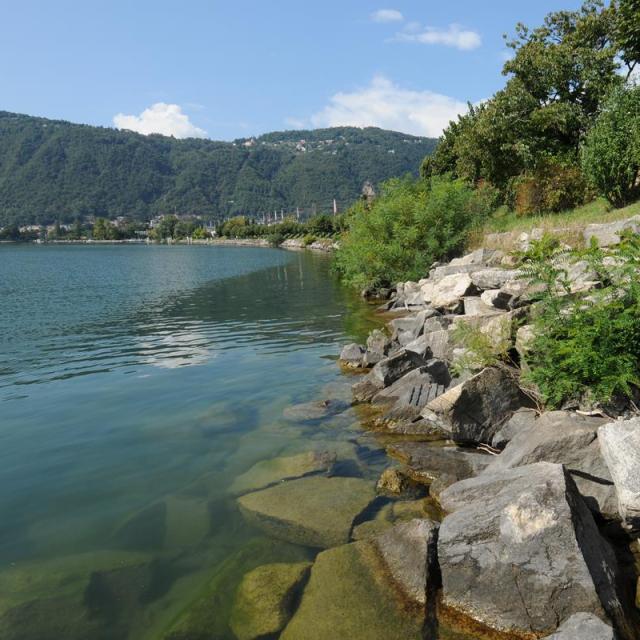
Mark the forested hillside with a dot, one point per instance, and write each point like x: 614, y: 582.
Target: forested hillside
x: 54, y: 170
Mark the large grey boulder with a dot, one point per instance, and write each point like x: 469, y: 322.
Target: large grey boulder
x: 416, y: 388
x: 265, y: 599
x: 438, y: 343
x: 608, y: 234
x: 474, y: 410
x: 407, y: 328
x: 315, y: 511
x: 478, y: 257
x: 519, y: 421
x: 493, y: 278
x: 620, y: 445
x: 448, y: 292
x: 398, y: 364
x: 521, y: 553
x: 445, y: 270
x: 497, y: 298
x: 584, y: 626
x: 565, y: 438
x: 475, y: 306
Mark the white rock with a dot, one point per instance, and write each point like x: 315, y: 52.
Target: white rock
x: 620, y: 445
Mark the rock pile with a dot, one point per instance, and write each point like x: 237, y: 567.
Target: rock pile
x: 522, y: 548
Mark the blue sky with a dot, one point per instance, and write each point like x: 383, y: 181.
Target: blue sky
x: 225, y: 69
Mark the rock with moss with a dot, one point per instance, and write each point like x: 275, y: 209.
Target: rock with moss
x: 265, y: 599
x: 374, y: 590
x: 315, y: 410
x: 268, y: 472
x: 316, y: 511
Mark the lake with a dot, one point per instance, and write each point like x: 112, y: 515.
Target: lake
x: 137, y: 384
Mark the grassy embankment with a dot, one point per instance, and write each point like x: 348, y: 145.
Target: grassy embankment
x: 567, y: 225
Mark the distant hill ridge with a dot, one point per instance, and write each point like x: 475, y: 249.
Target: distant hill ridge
x: 55, y: 170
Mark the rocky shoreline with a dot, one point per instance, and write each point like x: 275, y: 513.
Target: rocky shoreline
x: 540, y: 509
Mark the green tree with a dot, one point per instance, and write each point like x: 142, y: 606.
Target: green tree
x: 557, y: 79
x: 100, y: 231
x: 611, y: 152
x: 628, y: 32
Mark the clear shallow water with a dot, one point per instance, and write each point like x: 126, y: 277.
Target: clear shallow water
x: 135, y: 384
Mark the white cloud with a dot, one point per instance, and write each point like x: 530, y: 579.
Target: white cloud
x: 167, y: 119
x: 387, y: 15
x: 454, y: 36
x: 386, y: 105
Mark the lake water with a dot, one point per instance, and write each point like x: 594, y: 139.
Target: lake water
x: 136, y: 383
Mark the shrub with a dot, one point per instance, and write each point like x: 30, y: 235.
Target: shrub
x: 586, y: 350
x: 611, y: 151
x: 553, y: 187
x: 308, y: 239
x: 411, y: 224
x: 276, y: 238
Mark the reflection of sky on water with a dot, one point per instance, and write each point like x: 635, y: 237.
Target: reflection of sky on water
x: 176, y: 350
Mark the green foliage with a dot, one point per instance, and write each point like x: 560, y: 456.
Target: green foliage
x: 586, y: 350
x: 308, y: 239
x: 552, y: 187
x: 53, y: 170
x: 481, y: 350
x: 235, y: 227
x: 628, y: 32
x: 525, y: 140
x: 410, y: 225
x: 611, y: 152
x: 276, y: 238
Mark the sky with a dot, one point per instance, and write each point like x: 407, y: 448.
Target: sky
x: 231, y: 69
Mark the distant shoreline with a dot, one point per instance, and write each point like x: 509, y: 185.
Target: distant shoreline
x: 292, y: 244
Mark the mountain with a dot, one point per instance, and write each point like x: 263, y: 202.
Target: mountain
x: 55, y: 170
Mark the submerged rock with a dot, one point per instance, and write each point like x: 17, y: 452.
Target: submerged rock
x: 520, y: 553
x: 583, y: 626
x: 397, y: 482
x: 265, y: 599
x: 474, y: 410
x: 313, y: 512
x: 268, y: 472
x: 316, y: 410
x: 370, y: 590
x: 620, y: 445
